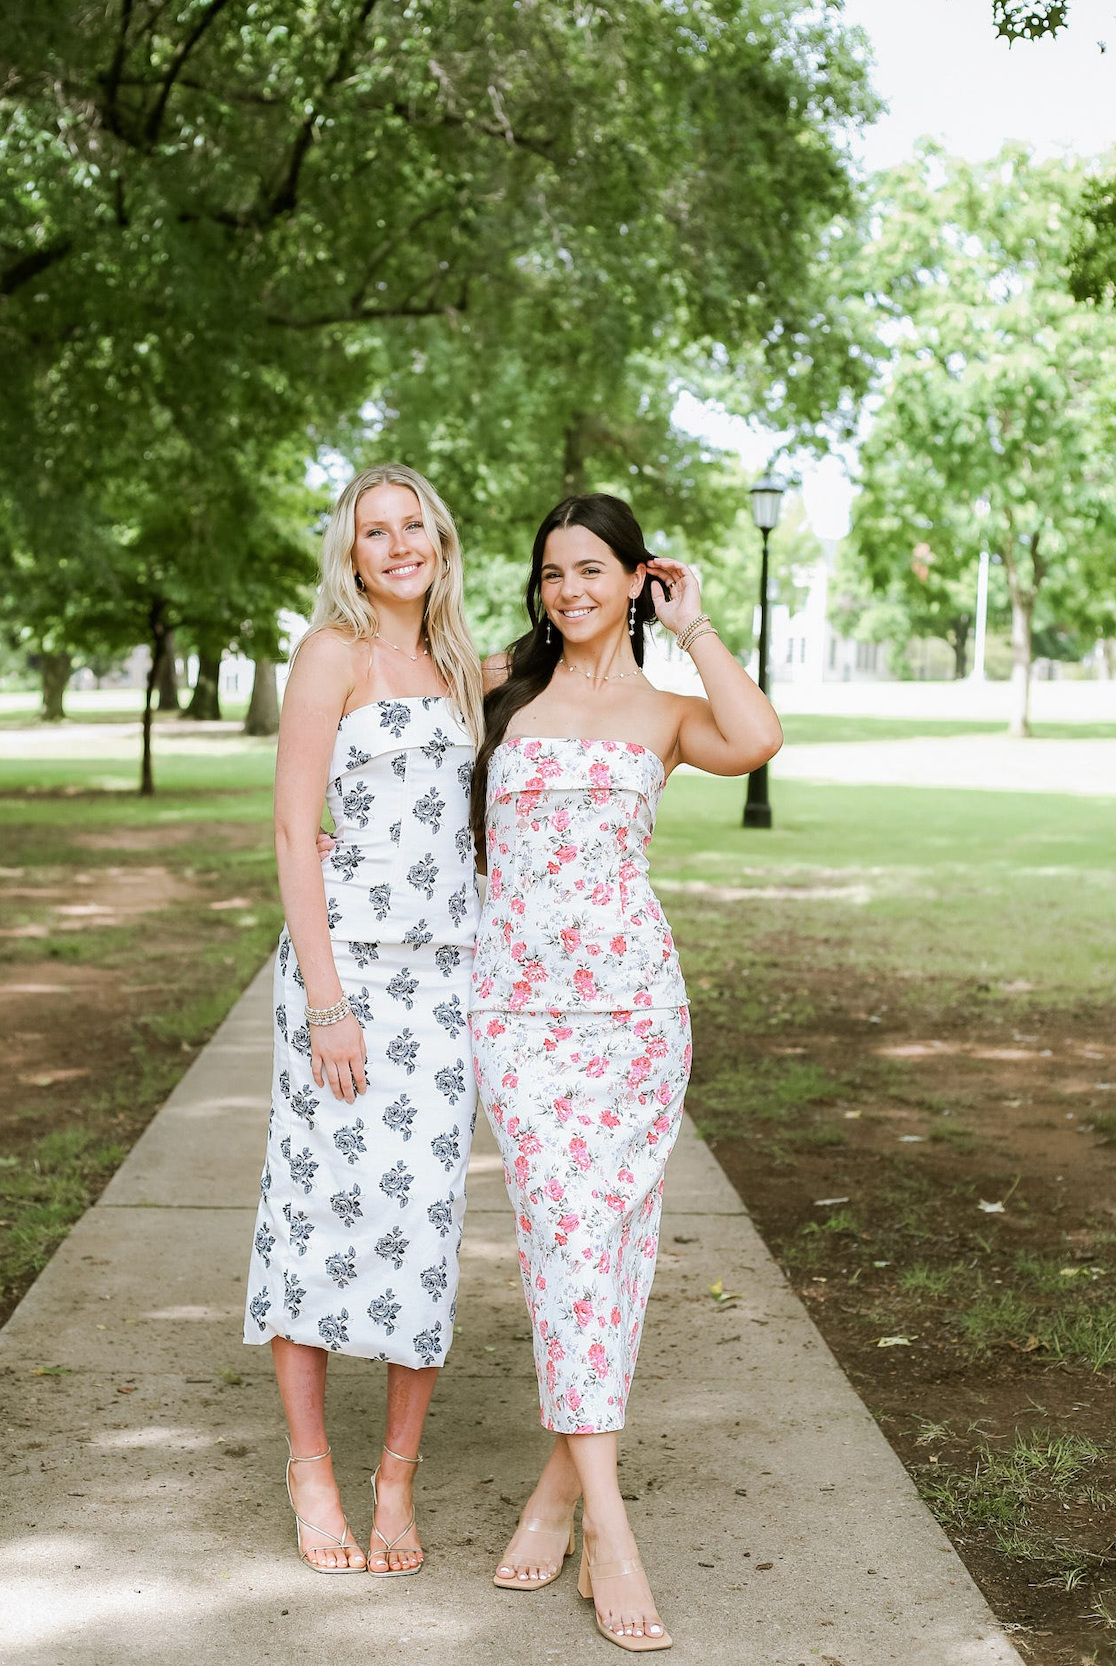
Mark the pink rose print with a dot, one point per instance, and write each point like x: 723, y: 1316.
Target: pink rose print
x: 585, y: 1012
x: 510, y: 1080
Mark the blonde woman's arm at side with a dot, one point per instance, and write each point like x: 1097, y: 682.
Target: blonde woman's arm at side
x: 320, y: 682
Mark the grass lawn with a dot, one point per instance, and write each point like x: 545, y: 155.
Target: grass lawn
x: 128, y: 927
x: 905, y: 1059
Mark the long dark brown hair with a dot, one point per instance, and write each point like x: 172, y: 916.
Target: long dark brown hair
x: 531, y: 659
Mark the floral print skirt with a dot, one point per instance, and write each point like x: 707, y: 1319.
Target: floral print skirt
x: 586, y: 1108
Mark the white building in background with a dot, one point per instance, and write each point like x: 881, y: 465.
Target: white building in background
x: 806, y: 648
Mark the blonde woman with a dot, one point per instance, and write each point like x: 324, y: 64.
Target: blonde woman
x: 363, y: 1190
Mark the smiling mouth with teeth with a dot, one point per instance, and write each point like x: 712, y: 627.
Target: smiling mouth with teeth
x: 401, y: 572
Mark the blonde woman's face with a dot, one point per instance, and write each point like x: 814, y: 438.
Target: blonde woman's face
x: 391, y: 551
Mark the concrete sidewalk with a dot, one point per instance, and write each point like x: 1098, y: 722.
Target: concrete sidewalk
x: 987, y: 763
x: 144, y: 1513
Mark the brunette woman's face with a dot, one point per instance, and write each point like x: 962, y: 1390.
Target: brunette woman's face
x: 585, y: 590
x: 391, y: 550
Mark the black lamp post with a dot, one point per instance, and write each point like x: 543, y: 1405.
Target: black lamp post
x: 767, y: 498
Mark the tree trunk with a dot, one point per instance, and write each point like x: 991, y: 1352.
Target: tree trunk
x: 167, y: 686
x: 205, y: 705
x: 56, y: 670
x: 263, y: 707
x: 574, y: 479
x: 959, y: 642
x: 1022, y: 612
x: 159, y: 635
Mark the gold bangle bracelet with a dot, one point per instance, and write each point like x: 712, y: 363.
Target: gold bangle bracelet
x: 686, y: 634
x: 707, y: 630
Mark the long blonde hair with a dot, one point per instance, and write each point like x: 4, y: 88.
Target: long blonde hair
x: 342, y: 607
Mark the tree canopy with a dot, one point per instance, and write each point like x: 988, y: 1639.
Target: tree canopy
x: 1001, y: 393
x: 493, y: 237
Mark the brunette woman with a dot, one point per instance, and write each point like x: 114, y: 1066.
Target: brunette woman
x: 372, y: 1113
x: 579, y: 1015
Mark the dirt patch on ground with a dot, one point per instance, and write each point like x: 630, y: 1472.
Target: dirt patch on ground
x: 112, y: 974
x: 103, y: 896
x: 942, y: 1195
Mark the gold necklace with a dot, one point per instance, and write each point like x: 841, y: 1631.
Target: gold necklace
x: 376, y: 637
x: 614, y: 677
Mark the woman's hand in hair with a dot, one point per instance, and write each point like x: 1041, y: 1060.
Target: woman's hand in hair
x: 675, y: 593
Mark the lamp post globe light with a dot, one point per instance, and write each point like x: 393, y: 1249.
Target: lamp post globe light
x: 767, y: 500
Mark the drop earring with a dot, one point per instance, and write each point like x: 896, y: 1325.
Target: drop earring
x: 548, y: 633
x: 631, y: 618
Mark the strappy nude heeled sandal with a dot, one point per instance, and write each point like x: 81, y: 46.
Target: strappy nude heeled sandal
x: 390, y: 1572
x: 512, y: 1582
x: 617, y: 1570
x: 342, y: 1543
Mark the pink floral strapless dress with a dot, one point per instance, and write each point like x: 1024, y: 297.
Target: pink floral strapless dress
x: 581, y: 1046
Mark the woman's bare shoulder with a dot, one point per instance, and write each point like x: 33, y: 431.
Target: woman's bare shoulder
x: 496, y: 669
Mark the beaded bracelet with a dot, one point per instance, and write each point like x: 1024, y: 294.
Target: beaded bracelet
x: 329, y: 1015
x: 687, y: 633
x: 706, y: 630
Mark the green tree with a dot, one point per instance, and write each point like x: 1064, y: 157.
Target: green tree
x: 219, y: 229
x: 1029, y: 19
x: 1000, y: 388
